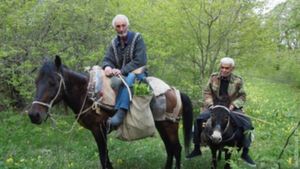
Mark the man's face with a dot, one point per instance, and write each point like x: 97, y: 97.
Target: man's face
x: 226, y: 69
x: 121, y: 27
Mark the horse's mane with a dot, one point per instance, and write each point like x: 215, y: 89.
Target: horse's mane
x: 49, y: 67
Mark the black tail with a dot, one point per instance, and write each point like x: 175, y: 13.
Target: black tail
x: 187, y: 117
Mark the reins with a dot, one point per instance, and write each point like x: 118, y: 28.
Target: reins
x: 49, y: 106
x: 230, y: 138
x: 251, y: 117
x: 227, y: 125
x: 225, y: 130
x: 124, y: 82
x: 228, y: 111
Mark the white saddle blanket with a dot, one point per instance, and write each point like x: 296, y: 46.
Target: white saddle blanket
x: 157, y: 85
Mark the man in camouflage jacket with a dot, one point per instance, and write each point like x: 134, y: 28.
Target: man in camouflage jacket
x: 235, y: 97
x: 225, y: 88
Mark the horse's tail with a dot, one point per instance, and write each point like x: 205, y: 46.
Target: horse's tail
x: 187, y: 117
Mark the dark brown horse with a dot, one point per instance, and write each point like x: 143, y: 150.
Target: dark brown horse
x: 56, y: 83
x: 220, y: 132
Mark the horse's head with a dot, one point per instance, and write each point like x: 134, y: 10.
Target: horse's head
x: 220, y: 120
x: 49, y: 86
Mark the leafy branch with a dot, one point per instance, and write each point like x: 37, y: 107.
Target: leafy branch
x: 286, y: 143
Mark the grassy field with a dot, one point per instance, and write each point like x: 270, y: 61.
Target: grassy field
x: 27, y: 146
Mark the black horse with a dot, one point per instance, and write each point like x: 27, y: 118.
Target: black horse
x: 55, y: 83
x: 220, y: 132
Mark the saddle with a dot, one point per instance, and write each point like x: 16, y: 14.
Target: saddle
x: 166, y: 101
x: 99, y: 89
x: 162, y: 103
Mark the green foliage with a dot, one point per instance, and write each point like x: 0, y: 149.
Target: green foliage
x: 141, y: 89
x: 279, y: 59
x: 76, y: 30
x: 276, y: 104
x: 25, y: 145
x: 184, y: 39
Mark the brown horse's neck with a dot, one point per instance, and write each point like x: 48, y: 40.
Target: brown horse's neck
x: 76, y: 88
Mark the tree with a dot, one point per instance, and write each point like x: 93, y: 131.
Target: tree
x: 31, y: 30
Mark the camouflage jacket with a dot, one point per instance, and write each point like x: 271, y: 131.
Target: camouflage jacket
x: 236, y: 93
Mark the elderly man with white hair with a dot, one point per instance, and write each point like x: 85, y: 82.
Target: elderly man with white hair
x: 225, y: 88
x: 126, y: 53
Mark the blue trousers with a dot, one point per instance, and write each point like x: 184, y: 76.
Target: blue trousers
x: 122, y: 100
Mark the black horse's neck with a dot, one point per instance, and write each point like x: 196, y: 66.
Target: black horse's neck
x: 76, y: 88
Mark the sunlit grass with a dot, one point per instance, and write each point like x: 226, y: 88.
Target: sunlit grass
x: 278, y: 105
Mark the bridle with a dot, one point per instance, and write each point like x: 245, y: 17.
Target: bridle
x: 49, y: 105
x: 227, y: 125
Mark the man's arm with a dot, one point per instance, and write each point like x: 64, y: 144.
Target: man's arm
x: 241, y: 95
x: 109, y: 59
x: 208, y: 94
x: 109, y: 62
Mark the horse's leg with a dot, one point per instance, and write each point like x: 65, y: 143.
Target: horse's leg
x: 99, y: 133
x: 176, y: 144
x: 219, y: 154
x: 227, y: 158
x: 214, y: 158
x: 169, y: 133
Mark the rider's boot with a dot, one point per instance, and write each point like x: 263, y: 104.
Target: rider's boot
x: 196, y: 152
x: 245, y: 154
x: 196, y: 139
x: 116, y: 120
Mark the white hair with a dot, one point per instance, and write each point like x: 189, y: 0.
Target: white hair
x: 227, y: 60
x: 119, y: 16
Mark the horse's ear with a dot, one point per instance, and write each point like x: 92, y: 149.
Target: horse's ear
x: 46, y: 59
x: 57, y: 61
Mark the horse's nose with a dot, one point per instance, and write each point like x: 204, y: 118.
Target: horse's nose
x: 216, y: 137
x: 35, y: 117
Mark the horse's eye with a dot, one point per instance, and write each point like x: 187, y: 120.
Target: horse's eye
x: 213, y: 116
x: 226, y: 119
x: 51, y: 83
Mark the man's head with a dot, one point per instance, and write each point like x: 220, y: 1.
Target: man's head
x: 120, y: 24
x: 226, y: 66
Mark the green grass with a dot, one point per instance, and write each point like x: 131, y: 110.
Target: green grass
x: 279, y: 105
x: 27, y: 146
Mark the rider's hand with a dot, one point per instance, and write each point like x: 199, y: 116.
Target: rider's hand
x: 231, y: 107
x: 108, y: 71
x: 116, y: 72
